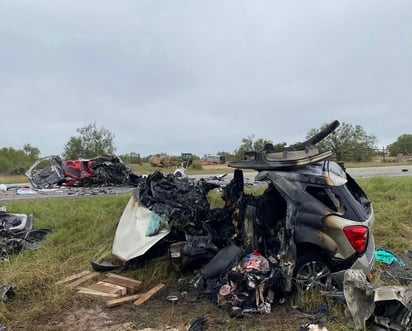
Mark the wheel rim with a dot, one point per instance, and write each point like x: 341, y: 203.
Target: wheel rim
x: 314, y: 274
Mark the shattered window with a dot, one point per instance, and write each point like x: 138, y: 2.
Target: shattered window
x: 359, y: 195
x: 327, y: 197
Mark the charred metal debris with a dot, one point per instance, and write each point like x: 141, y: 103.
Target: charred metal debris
x: 7, y: 292
x: 238, y: 252
x: 105, y: 170
x: 238, y: 270
x: 311, y: 224
x: 386, y: 307
x: 241, y: 256
x: 17, y: 233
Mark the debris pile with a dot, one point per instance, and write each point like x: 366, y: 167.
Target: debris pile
x: 388, y: 307
x: 17, y: 233
x: 236, y: 271
x: 105, y: 170
x: 239, y: 253
x: 7, y: 292
x: 394, y: 269
x: 251, y: 287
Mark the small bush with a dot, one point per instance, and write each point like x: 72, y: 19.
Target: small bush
x: 5, y: 165
x: 197, y: 165
x: 17, y: 171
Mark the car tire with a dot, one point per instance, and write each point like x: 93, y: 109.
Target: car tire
x: 312, y: 272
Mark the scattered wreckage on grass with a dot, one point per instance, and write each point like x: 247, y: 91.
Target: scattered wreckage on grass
x: 105, y: 170
x: 312, y: 223
x: 17, y: 233
x: 386, y: 307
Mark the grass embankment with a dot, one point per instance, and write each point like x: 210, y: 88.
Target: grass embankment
x: 83, y: 230
x: 391, y: 199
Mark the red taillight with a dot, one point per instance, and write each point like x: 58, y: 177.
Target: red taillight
x: 358, y: 237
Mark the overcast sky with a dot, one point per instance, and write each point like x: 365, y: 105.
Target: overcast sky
x: 198, y: 76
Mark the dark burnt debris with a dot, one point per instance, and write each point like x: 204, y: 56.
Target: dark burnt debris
x: 237, y: 259
x: 17, y: 233
x: 185, y: 204
x: 242, y: 256
x: 104, y: 170
x: 311, y: 224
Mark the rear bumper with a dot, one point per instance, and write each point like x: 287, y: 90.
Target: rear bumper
x: 366, y: 263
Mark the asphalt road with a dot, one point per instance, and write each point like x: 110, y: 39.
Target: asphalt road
x: 24, y: 191
x: 365, y: 172
x: 386, y: 171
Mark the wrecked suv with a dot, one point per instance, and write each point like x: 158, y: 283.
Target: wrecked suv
x: 311, y: 223
x: 313, y: 215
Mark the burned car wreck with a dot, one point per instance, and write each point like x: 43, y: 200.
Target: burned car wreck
x: 386, y: 307
x: 311, y: 224
x: 105, y: 170
x: 17, y: 233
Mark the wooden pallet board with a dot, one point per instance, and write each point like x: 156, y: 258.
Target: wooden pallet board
x: 85, y: 290
x: 123, y: 289
x: 107, y: 288
x: 118, y: 288
x: 82, y: 280
x: 147, y: 295
x: 122, y: 300
x: 72, y: 278
x: 131, y: 285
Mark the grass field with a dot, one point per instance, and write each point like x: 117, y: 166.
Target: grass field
x: 83, y: 230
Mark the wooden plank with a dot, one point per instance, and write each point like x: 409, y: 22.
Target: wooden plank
x: 105, y: 288
x: 120, y: 301
x: 122, y: 289
x: 131, y: 285
x: 83, y: 279
x: 73, y: 277
x: 146, y: 296
x: 85, y: 290
x: 111, y: 274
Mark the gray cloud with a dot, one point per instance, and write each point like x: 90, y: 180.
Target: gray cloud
x: 201, y: 75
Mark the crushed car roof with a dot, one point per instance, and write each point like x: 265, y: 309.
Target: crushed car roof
x: 270, y: 158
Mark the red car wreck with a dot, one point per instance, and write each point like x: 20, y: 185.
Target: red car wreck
x: 105, y: 170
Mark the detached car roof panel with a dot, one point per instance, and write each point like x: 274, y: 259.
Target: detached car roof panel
x: 297, y: 155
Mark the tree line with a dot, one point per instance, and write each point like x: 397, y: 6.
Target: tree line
x: 16, y: 162
x: 348, y: 143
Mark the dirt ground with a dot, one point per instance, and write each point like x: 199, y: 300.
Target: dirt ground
x: 89, y: 313
x: 96, y: 317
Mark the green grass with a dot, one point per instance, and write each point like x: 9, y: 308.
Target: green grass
x: 83, y: 230
x: 391, y: 200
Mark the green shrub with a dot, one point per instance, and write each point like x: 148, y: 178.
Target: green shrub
x: 5, y: 165
x: 197, y: 165
x: 17, y: 171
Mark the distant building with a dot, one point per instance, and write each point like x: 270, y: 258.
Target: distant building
x: 216, y: 159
